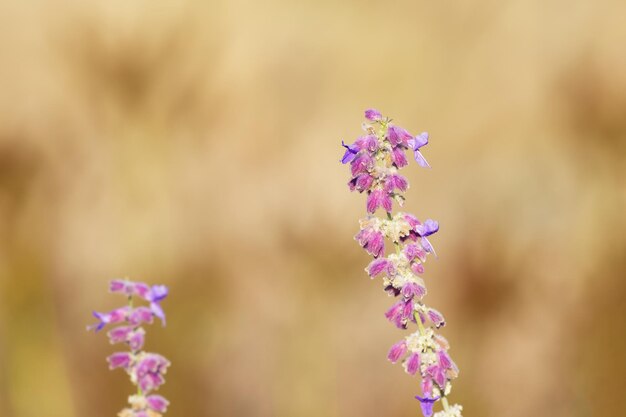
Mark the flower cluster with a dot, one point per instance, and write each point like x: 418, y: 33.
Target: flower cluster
x: 375, y: 160
x: 146, y: 370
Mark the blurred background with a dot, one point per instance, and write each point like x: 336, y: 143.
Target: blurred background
x: 197, y: 144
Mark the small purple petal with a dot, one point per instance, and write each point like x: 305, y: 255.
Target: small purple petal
x: 118, y: 285
x: 413, y: 363
x: 120, y: 360
x: 374, y: 200
x: 427, y: 384
x: 120, y: 334
x: 361, y: 164
x: 438, y: 374
x: 158, y: 312
x: 365, y: 143
x: 136, y: 340
x: 398, y: 136
x: 444, y: 360
x: 140, y: 315
x: 418, y: 141
x: 386, y: 202
x: 407, y: 309
x: 412, y: 220
x: 417, y: 268
x: 396, y: 181
x: 151, y: 381
x: 411, y: 251
x: 427, y: 405
x: 419, y: 158
x: 350, y: 153
x: 428, y: 247
x: 399, y: 158
x: 364, y: 182
x: 157, y: 293
x: 427, y: 228
x: 377, y: 266
x: 373, y: 115
x: 395, y: 311
x: 142, y: 290
x: 372, y: 241
x: 413, y: 289
x: 436, y: 317
x: 397, y: 351
x: 157, y: 403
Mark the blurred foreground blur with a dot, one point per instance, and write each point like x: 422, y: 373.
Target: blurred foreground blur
x: 196, y: 144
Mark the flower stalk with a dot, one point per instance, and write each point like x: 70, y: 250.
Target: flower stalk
x: 375, y: 160
x: 146, y: 370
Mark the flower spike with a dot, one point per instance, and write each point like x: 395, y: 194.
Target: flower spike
x: 146, y: 370
x: 375, y: 160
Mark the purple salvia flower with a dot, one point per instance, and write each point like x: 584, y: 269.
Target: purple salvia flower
x: 372, y: 241
x: 156, y: 294
x: 120, y: 334
x: 129, y: 288
x: 399, y: 158
x: 397, y: 351
x: 367, y: 143
x: 136, y: 339
x: 395, y: 311
x: 413, y: 363
x: 351, y: 152
x: 413, y: 290
x: 444, y: 360
x: 146, y: 370
x: 150, y: 381
x: 361, y: 183
x: 427, y: 405
x: 436, y: 317
x: 438, y: 374
x: 427, y: 228
x: 378, y: 198
x: 398, y: 136
x: 380, y: 265
x: 416, y: 143
x: 120, y: 360
x: 373, y: 115
x: 412, y: 251
x: 374, y: 163
x: 116, y: 316
x: 362, y: 164
x: 157, y: 403
x: 417, y: 268
x: 396, y: 182
x: 141, y: 315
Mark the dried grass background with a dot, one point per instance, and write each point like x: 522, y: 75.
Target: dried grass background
x: 196, y: 144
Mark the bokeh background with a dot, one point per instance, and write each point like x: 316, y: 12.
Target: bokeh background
x: 196, y: 144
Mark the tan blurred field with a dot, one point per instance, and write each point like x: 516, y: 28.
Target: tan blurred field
x: 196, y: 144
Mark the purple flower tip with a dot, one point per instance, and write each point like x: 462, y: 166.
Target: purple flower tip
x: 158, y: 293
x: 397, y: 351
x: 373, y: 115
x: 157, y: 403
x: 427, y: 405
x: 351, y: 151
x: 427, y: 228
